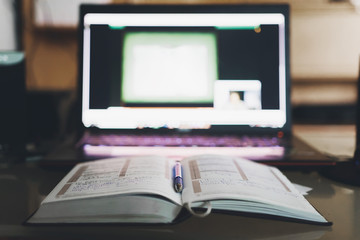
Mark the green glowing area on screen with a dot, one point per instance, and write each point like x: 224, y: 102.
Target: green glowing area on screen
x: 168, y: 67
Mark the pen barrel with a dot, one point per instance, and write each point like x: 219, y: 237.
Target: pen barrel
x: 178, y: 180
x: 177, y: 170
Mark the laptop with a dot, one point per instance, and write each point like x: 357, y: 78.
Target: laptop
x: 186, y: 80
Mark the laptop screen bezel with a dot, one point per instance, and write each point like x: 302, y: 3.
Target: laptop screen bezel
x: 281, y: 8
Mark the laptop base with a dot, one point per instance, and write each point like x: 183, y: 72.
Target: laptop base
x: 297, y: 154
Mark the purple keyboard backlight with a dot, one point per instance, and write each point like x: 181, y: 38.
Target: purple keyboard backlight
x: 181, y: 140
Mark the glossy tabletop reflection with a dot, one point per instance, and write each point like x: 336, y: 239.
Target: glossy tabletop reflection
x: 24, y: 185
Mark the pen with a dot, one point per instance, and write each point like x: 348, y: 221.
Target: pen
x: 178, y: 179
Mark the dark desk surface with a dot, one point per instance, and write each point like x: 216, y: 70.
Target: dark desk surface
x: 23, y: 186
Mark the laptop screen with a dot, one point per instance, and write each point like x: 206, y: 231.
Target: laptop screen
x: 184, y: 69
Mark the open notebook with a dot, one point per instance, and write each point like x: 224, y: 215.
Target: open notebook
x: 138, y: 190
x: 186, y: 80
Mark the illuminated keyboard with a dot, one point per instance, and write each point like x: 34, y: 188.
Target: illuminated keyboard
x: 180, y: 141
x: 181, y: 145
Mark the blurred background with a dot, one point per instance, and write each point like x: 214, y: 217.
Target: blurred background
x: 324, y: 50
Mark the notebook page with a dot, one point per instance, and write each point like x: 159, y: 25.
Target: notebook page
x: 212, y: 177
x: 137, y: 175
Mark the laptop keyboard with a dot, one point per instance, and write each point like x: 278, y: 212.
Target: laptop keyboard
x: 180, y: 141
x: 180, y: 146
